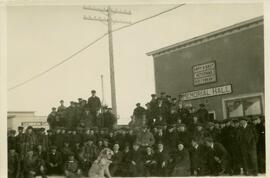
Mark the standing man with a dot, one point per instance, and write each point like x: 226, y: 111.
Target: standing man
x: 153, y: 105
x: 62, y: 107
x: 52, y: 118
x: 138, y: 113
x: 94, y: 104
x: 247, y: 140
x: 202, y: 114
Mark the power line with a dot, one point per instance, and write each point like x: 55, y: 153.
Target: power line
x: 87, y: 46
x: 58, y: 64
x: 153, y: 16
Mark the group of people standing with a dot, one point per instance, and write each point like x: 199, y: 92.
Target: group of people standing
x: 166, y: 138
x: 83, y: 114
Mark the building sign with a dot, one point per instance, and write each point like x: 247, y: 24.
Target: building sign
x: 222, y: 90
x: 204, y: 73
x: 35, y: 124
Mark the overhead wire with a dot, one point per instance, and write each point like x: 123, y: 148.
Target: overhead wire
x: 87, y: 46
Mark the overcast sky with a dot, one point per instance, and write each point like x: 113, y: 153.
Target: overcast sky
x: 41, y: 36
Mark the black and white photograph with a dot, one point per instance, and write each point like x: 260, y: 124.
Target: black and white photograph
x: 149, y: 89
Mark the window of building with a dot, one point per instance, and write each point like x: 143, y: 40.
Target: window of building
x: 212, y: 115
x: 245, y: 106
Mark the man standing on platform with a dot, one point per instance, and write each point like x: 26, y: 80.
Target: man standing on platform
x: 94, y: 104
x: 52, y: 118
x: 202, y: 114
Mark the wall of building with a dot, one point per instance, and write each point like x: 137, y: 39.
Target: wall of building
x: 26, y: 119
x: 239, y: 61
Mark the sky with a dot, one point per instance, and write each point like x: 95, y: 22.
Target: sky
x: 41, y: 36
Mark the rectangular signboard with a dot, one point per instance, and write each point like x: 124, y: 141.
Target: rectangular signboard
x: 204, y: 73
x: 221, y: 90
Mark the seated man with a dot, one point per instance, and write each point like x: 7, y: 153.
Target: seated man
x: 13, y: 163
x: 31, y: 166
x: 71, y: 167
x: 149, y: 162
x: 116, y: 166
x: 217, y: 157
x: 197, y: 158
x: 181, y: 162
x: 54, y: 162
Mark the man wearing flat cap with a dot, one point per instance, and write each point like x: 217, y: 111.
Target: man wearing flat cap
x: 138, y: 112
x: 51, y: 119
x: 181, y: 161
x: 94, y: 103
x: 12, y: 139
x: 135, y: 161
x: 162, y: 158
x: 217, y: 157
x: 183, y: 135
x: 145, y: 137
x: 54, y: 161
x: 153, y: 104
x: 30, y: 139
x: 202, y: 114
x: 62, y: 106
x: 42, y: 139
x: 198, y: 158
x: 247, y: 139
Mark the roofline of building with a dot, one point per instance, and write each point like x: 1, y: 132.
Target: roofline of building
x: 21, y: 111
x: 207, y: 36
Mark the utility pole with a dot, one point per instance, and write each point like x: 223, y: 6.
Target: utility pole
x: 102, y: 89
x: 109, y: 12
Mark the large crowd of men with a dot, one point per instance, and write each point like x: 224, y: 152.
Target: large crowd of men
x: 166, y: 138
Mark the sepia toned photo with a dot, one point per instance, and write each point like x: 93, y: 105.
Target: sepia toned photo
x: 135, y: 90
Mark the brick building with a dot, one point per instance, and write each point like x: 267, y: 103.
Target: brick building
x: 223, y: 69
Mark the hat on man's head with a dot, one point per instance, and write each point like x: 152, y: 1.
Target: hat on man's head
x: 160, y: 142
x: 12, y: 131
x: 243, y: 119
x: 136, y: 143
x: 209, y: 139
x: 53, y: 147
x: 199, y: 125
x: 181, y: 125
x: 210, y: 124
x: 29, y: 127
x: 235, y: 120
x: 93, y: 91
x: 180, y: 142
x: 153, y: 95
x: 170, y: 126
x: 20, y: 128
x: 202, y: 105
x: 138, y: 104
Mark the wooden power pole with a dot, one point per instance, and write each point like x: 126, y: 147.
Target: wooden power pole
x: 109, y: 12
x: 102, y: 90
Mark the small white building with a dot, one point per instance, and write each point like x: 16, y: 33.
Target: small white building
x: 25, y: 119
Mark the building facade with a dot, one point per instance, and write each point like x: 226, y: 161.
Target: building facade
x: 25, y: 119
x: 223, y: 69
